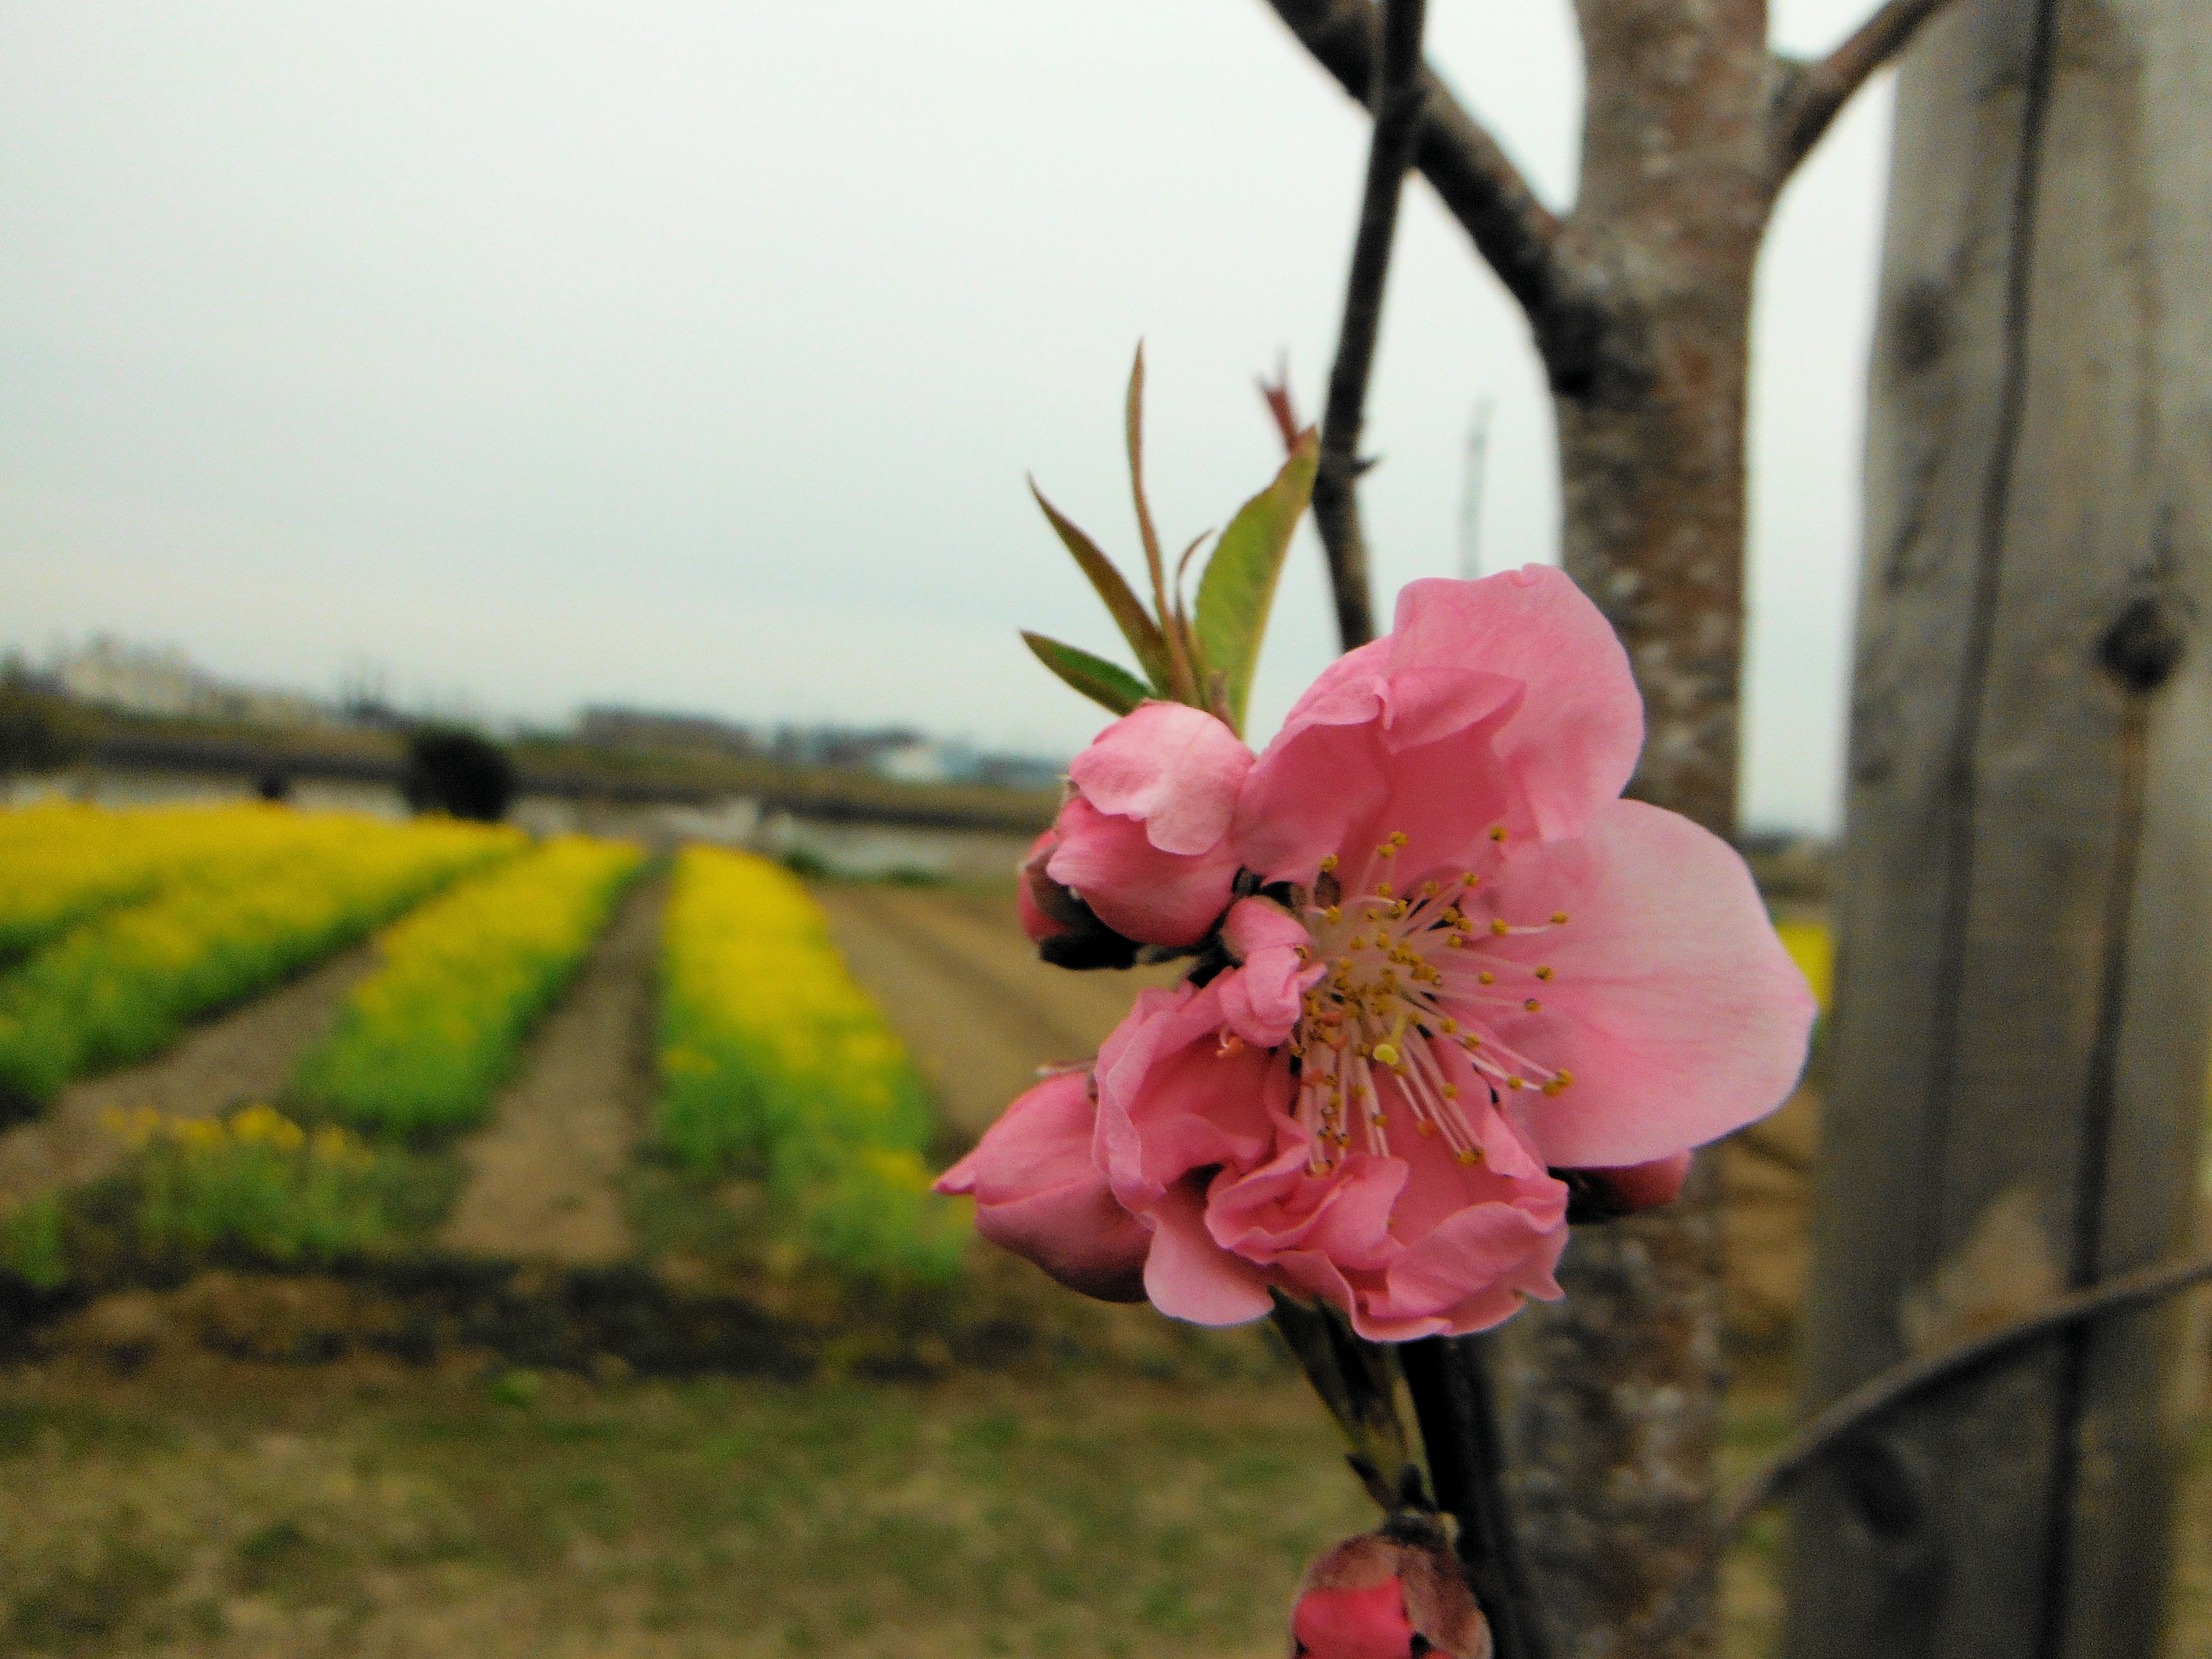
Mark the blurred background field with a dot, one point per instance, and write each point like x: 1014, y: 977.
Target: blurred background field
x: 551, y: 1271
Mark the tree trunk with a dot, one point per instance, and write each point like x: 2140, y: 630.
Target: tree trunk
x: 1640, y: 303
x: 1612, y: 1397
x: 2026, y: 914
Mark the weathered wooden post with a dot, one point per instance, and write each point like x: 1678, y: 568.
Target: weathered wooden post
x: 2026, y: 911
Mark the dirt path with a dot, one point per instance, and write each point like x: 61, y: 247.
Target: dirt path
x: 963, y: 988
x: 545, y: 1179
x: 245, y: 1055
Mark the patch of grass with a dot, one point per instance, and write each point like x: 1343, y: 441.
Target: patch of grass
x: 257, y: 1188
x: 74, y: 1598
x: 31, y: 1245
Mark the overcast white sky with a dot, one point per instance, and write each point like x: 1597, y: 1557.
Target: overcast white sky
x: 692, y: 356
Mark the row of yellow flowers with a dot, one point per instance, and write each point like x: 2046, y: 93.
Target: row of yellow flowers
x: 61, y: 862
x: 228, y: 901
x: 423, y: 1044
x: 773, y: 1060
x: 256, y: 1182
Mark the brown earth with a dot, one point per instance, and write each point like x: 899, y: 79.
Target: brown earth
x: 545, y: 1179
x: 240, y: 1057
x: 964, y: 989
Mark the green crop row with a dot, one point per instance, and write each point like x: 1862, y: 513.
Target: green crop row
x: 288, y: 889
x: 423, y: 1043
x: 773, y: 1059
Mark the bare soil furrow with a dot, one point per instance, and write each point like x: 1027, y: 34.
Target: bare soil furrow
x: 243, y: 1057
x: 545, y: 1177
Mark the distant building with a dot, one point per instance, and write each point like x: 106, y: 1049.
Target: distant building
x: 1019, y: 771
x: 161, y: 679
x: 615, y: 727
x: 923, y: 760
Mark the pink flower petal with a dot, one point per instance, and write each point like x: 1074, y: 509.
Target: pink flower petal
x: 1036, y: 923
x: 1345, y: 1216
x: 1673, y: 1003
x: 1175, y: 769
x: 1189, y: 1277
x: 1038, y: 1194
x: 1261, y: 996
x: 1353, y: 1624
x: 1131, y: 885
x: 1171, y: 1101
x: 1503, y: 701
x: 1574, y: 741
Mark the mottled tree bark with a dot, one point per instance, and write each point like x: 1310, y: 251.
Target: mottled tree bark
x: 1640, y: 300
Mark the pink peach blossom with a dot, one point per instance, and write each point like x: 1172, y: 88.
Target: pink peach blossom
x: 1038, y: 1194
x: 1460, y: 963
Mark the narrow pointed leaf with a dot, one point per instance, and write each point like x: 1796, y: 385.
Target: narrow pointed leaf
x: 1102, y: 681
x: 1238, y: 588
x: 1129, y: 615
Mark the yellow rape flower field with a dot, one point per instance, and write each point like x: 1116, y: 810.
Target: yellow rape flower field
x: 152, y: 920
x: 773, y: 1059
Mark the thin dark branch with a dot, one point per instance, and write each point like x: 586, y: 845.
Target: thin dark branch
x: 1473, y: 178
x: 1398, y: 100
x: 1812, y: 94
x: 1899, y: 1383
x: 1454, y: 1400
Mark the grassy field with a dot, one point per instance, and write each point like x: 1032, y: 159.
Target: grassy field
x: 209, y: 1508
x: 1130, y: 1490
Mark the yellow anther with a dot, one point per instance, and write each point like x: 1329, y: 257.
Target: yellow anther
x: 1428, y: 889
x: 1397, y: 838
x: 1387, y: 1053
x: 1554, y: 1087
x: 1328, y: 864
x: 1454, y: 942
x: 1387, y: 850
x: 1382, y: 890
x: 1498, y: 927
x: 1564, y: 1076
x: 1513, y: 1083
x: 1452, y: 1091
x: 1333, y: 914
x: 1543, y: 973
x: 1498, y: 832
x: 1470, y: 879
x: 1470, y: 1156
x: 1375, y: 1117
x: 1487, y: 977
x: 1447, y: 1026
x: 1532, y: 1005
x: 1558, y: 918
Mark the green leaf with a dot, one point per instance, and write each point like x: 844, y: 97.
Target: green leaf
x: 1101, y: 681
x: 1238, y: 588
x: 1136, y: 624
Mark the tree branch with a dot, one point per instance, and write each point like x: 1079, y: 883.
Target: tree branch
x: 1399, y: 102
x: 1812, y: 94
x: 1901, y: 1381
x: 1478, y: 184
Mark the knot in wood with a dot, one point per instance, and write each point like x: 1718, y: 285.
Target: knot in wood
x: 2145, y: 642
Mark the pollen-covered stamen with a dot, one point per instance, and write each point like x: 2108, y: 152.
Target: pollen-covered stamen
x: 1406, y: 970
